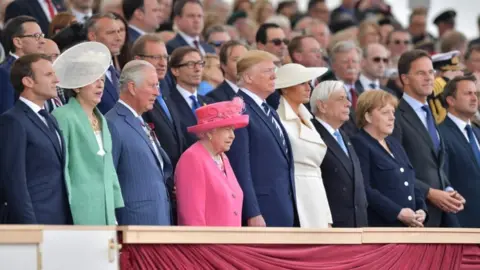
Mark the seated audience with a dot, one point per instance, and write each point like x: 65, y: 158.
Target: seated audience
x: 208, y: 193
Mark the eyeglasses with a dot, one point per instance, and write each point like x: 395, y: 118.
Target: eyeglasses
x: 379, y: 59
x: 156, y: 57
x: 216, y: 43
x: 398, y: 42
x: 278, y: 41
x: 37, y: 36
x: 191, y: 64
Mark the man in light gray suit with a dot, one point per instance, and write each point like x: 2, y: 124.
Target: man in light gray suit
x: 142, y: 166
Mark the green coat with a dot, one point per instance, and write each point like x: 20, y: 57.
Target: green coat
x: 91, y: 180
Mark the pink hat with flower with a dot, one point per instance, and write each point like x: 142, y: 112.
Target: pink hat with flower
x: 220, y: 114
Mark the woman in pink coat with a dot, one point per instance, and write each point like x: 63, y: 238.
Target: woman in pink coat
x: 207, y: 190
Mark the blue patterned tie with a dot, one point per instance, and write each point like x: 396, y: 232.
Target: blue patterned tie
x: 473, y: 143
x: 164, y: 106
x: 340, y: 141
x: 269, y: 114
x: 432, y: 129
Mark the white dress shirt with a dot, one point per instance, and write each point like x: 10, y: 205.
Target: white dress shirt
x: 233, y: 86
x: 461, y: 125
x: 186, y: 95
x: 140, y: 31
x: 190, y: 41
x: 81, y: 16
x: 35, y: 108
x: 347, y: 89
x: 44, y: 6
x: 417, y: 107
x: 327, y: 126
x: 366, y: 82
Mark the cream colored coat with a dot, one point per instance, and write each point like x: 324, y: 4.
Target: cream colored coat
x: 308, y: 152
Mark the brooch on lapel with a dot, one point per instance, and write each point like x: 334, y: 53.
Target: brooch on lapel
x: 101, y: 152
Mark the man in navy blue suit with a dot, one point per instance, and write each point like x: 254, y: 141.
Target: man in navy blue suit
x: 230, y: 52
x: 22, y: 36
x: 105, y: 29
x: 261, y: 155
x: 188, y: 17
x: 32, y: 154
x: 142, y: 165
x: 143, y: 16
x: 462, y: 145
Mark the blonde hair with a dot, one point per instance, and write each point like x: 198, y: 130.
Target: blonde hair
x: 252, y: 58
x: 323, y: 91
x: 209, y: 63
x: 258, y: 8
x: 371, y: 100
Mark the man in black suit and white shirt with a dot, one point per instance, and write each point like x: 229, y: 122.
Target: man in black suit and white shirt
x: 374, y: 63
x: 415, y: 128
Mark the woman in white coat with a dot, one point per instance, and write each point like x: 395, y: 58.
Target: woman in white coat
x: 293, y: 82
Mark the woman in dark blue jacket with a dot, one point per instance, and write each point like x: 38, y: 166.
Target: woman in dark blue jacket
x: 393, y: 199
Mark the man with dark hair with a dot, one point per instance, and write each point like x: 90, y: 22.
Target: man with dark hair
x: 271, y: 38
x: 188, y: 17
x: 42, y: 10
x: 32, y: 157
x: 462, y: 145
x: 445, y: 22
x: 22, y: 36
x: 187, y: 65
x: 143, y: 16
x: 318, y: 9
x: 230, y: 52
x: 415, y: 128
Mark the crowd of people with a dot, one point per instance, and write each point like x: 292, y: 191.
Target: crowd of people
x: 153, y: 112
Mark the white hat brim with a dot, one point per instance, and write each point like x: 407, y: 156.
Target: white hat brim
x: 296, y: 76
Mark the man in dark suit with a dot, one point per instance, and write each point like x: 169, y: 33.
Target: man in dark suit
x: 42, y: 10
x: 188, y: 17
x: 187, y: 65
x: 462, y: 145
x: 416, y: 130
x: 230, y: 52
x: 261, y: 155
x: 143, y: 16
x: 32, y: 153
x: 373, y: 65
x: 142, y: 166
x: 100, y: 28
x: 271, y: 38
x: 28, y: 39
x: 341, y: 170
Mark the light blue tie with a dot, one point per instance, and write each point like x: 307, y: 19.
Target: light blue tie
x: 162, y: 103
x: 340, y: 141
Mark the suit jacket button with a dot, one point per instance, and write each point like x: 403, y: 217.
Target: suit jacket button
x: 233, y: 196
x: 5, y: 204
x: 409, y: 198
x: 235, y: 213
x: 402, y: 170
x: 344, y: 189
x: 406, y: 183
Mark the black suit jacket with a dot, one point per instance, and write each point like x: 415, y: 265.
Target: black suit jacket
x: 360, y: 89
x: 463, y: 171
x: 343, y: 180
x: 428, y: 164
x: 32, y: 163
x: 186, y: 115
x: 32, y: 8
x: 223, y: 92
x: 178, y: 41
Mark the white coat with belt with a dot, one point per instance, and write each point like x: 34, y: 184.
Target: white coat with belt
x: 308, y: 152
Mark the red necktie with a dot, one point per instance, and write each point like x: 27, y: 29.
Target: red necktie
x: 354, y: 97
x: 51, y: 9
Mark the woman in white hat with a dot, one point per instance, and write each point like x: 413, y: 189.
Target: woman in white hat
x: 293, y: 83
x: 91, y: 180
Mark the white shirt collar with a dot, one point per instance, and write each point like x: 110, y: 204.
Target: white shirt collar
x: 186, y: 95
x: 415, y: 104
x: 13, y: 55
x: 459, y: 122
x: 31, y: 105
x: 254, y: 96
x: 189, y: 39
x: 326, y: 125
x: 233, y: 86
x: 140, y: 31
x: 129, y: 108
x: 348, y: 86
x: 80, y: 15
x: 366, y: 82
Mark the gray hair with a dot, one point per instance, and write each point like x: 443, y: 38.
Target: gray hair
x: 343, y: 47
x: 323, y: 91
x: 281, y: 20
x: 91, y: 23
x: 133, y: 71
x: 215, y: 29
x: 316, y: 22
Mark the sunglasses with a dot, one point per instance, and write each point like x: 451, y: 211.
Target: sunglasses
x: 379, y: 59
x: 278, y: 41
x: 216, y: 43
x: 398, y: 42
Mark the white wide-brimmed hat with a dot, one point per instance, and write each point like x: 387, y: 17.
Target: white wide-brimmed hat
x: 294, y: 74
x: 82, y: 65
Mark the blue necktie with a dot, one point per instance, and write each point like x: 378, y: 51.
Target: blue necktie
x: 473, y: 143
x: 432, y: 129
x: 162, y: 103
x: 195, y: 104
x: 269, y: 114
x: 340, y: 141
x: 114, y: 76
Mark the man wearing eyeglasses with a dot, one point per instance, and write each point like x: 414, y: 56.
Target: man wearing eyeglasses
x: 271, y: 38
x: 373, y: 65
x: 23, y: 36
x: 187, y: 65
x: 398, y: 42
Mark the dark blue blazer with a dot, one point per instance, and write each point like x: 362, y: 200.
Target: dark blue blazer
x: 133, y: 35
x: 186, y: 115
x: 389, y: 181
x: 263, y: 170
x: 32, y: 163
x: 142, y: 180
x: 463, y: 171
x: 223, y: 92
x: 7, y: 92
x: 33, y: 9
x: 359, y: 88
x: 110, y: 96
x: 178, y: 41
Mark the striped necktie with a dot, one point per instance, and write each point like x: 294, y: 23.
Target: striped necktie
x: 269, y: 114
